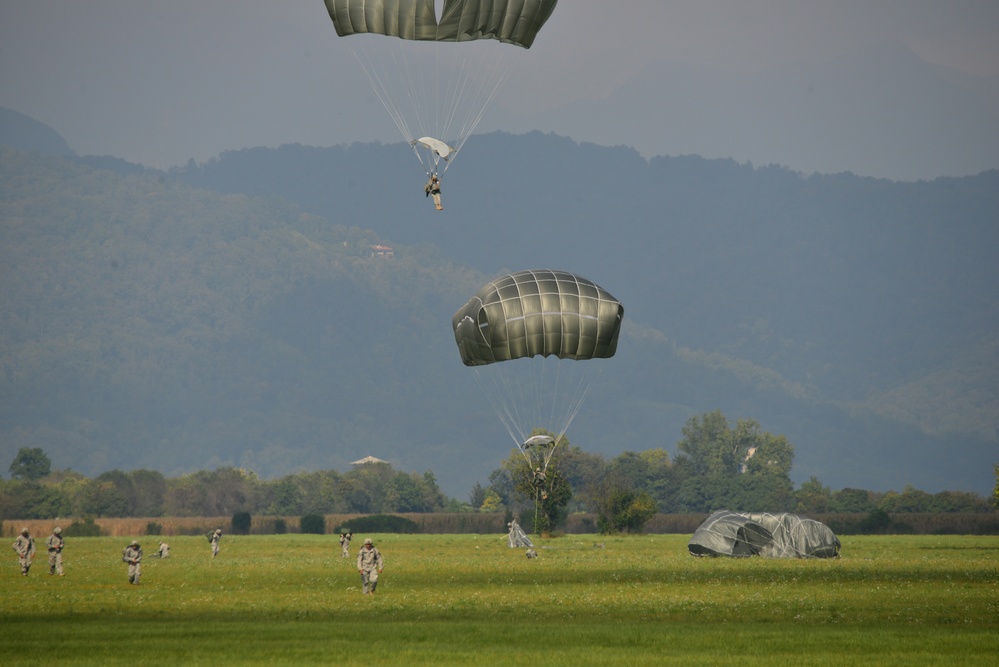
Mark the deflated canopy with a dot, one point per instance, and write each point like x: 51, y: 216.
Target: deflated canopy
x: 781, y: 535
x: 539, y: 312
x: 726, y: 533
x: 510, y: 21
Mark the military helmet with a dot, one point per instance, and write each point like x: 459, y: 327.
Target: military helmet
x: 134, y: 543
x: 24, y: 531
x: 57, y: 530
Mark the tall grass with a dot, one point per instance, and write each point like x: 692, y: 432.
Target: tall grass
x: 468, y: 599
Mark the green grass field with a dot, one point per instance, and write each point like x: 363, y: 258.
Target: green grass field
x: 470, y: 600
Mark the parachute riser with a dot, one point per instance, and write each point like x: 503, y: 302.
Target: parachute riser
x: 429, y: 152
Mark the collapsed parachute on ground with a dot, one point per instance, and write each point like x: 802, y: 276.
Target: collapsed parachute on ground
x: 517, y: 537
x: 430, y: 89
x: 782, y: 535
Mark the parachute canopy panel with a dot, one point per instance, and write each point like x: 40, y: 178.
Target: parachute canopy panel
x: 781, y: 535
x: 538, y: 312
x: 511, y: 22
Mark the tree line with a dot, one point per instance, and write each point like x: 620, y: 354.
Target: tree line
x: 718, y: 465
x: 37, y: 492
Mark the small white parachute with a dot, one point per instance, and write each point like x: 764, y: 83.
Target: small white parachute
x: 434, y: 150
x: 539, y: 441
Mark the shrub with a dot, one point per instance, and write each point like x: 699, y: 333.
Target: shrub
x: 241, y: 522
x: 314, y: 524
x: 280, y: 527
x: 86, y: 528
x: 876, y: 521
x: 623, y: 509
x: 153, y: 528
x: 383, y: 523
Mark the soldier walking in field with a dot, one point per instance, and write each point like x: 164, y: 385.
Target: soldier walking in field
x: 345, y: 544
x: 369, y: 564
x: 132, y: 554
x: 54, y: 545
x: 214, y: 539
x: 24, y: 545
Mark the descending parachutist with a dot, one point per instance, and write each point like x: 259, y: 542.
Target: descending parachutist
x: 433, y: 189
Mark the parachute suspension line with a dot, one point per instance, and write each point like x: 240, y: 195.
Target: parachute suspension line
x: 515, y: 397
x: 416, y: 151
x: 418, y: 94
x: 577, y: 396
x: 391, y: 71
x: 457, y: 98
x: 537, y: 508
x: 465, y: 102
x: 473, y: 121
x: 562, y: 391
x: 526, y: 397
x: 379, y: 86
x: 496, y: 388
x: 434, y: 92
x: 483, y: 97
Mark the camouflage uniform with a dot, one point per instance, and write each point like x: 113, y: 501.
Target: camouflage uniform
x: 345, y: 544
x: 132, y: 554
x: 433, y: 189
x: 24, y: 545
x: 370, y: 565
x: 164, y: 551
x: 214, y: 539
x: 54, y: 545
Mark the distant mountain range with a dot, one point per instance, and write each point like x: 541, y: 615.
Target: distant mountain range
x: 232, y: 312
x: 814, y: 117
x: 25, y: 133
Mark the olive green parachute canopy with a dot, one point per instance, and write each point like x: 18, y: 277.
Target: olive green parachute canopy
x: 780, y: 535
x: 540, y: 312
x: 509, y: 21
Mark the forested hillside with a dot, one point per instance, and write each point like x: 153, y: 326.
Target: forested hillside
x: 146, y: 323
x: 848, y: 284
x: 234, y: 313
x: 864, y: 292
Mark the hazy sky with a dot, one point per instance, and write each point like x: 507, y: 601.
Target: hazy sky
x: 161, y: 82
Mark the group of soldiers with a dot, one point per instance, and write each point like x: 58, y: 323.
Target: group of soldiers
x: 369, y: 559
x: 24, y: 546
